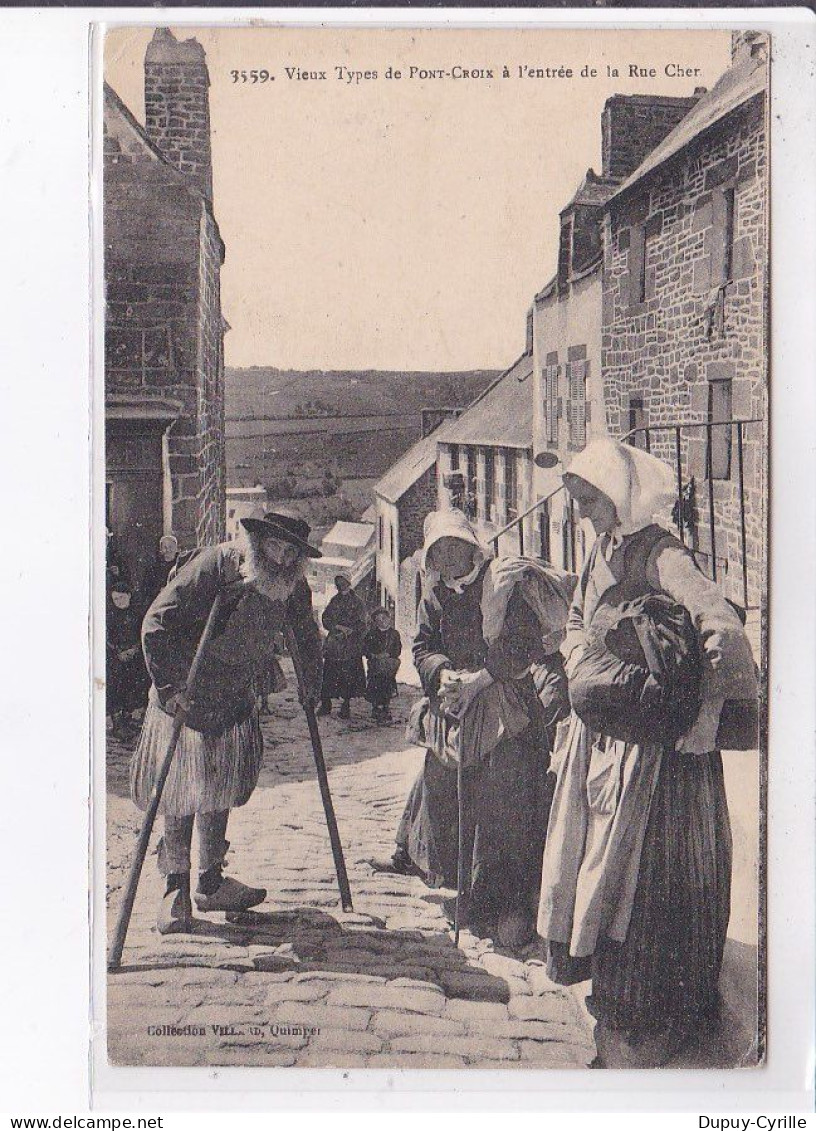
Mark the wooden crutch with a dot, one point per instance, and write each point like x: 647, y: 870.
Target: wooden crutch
x: 320, y: 765
x: 179, y: 718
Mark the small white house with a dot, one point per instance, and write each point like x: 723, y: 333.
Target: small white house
x: 243, y: 502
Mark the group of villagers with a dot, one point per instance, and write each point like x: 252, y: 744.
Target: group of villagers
x: 581, y: 717
x: 587, y: 715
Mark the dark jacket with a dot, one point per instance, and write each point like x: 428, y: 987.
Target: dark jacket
x: 242, y: 649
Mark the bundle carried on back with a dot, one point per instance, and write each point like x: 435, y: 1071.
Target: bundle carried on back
x: 638, y: 678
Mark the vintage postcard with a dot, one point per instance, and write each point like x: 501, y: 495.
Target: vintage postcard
x: 435, y: 394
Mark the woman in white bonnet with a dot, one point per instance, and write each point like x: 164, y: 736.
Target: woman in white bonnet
x: 459, y: 660
x: 637, y: 864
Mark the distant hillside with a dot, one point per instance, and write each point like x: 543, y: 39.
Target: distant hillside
x: 261, y: 391
x: 286, y: 426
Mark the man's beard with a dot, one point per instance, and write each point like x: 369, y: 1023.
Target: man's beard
x: 275, y: 582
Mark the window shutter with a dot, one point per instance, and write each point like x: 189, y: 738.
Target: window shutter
x: 637, y: 263
x: 719, y: 218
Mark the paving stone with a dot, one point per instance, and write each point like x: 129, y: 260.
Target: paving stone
x: 540, y: 981
x: 273, y: 962
x: 321, y: 1016
x: 550, y: 1007
x: 391, y: 1022
x: 501, y: 966
x: 555, y: 1054
x: 484, y: 1014
x: 388, y: 997
x: 473, y: 986
x: 335, y: 976
x: 511, y: 1029
x: 296, y: 991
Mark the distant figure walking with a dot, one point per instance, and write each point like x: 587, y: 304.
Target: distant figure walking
x: 344, y: 619
x: 382, y: 646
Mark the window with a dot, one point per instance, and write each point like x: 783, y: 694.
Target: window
x: 381, y: 532
x: 511, y: 483
x: 637, y: 419
x: 718, y: 457
x: 454, y: 457
x: 137, y: 350
x: 490, y: 482
x: 576, y: 403
x: 549, y: 379
x: 391, y: 541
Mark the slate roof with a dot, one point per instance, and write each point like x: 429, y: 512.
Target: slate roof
x: 591, y: 191
x: 411, y: 466
x: 349, y: 534
x: 739, y: 84
x: 503, y: 415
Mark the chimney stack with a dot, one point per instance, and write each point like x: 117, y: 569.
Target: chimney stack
x: 746, y: 44
x: 177, y: 105
x: 632, y: 125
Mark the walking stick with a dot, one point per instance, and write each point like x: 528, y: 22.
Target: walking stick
x: 460, y: 857
x: 322, y: 776
x: 125, y: 911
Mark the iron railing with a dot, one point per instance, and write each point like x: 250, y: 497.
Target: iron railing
x: 685, y: 519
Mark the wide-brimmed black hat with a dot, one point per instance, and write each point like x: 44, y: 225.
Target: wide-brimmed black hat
x: 284, y: 526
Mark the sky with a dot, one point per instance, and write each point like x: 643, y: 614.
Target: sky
x: 402, y: 223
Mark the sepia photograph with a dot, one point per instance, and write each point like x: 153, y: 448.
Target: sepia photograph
x: 435, y: 392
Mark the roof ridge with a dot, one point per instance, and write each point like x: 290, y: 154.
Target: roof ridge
x: 151, y: 146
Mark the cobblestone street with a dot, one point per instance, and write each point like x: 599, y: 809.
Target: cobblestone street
x: 300, y: 983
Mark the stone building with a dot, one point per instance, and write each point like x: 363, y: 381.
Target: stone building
x: 164, y: 359
x: 685, y: 302
x: 485, y: 464
x: 348, y: 549
x: 568, y: 397
x: 244, y: 502
x: 403, y: 497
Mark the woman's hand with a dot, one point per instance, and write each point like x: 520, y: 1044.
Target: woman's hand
x: 458, y: 691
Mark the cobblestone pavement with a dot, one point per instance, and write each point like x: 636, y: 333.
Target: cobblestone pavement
x: 300, y: 983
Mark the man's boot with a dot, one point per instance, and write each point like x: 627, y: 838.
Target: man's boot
x: 324, y: 708
x: 175, y: 910
x: 216, y: 892
x: 345, y: 710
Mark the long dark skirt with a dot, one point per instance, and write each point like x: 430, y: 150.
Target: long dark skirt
x: 666, y: 973
x: 343, y: 675
x: 507, y: 801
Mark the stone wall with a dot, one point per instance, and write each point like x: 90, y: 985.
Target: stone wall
x: 211, y: 499
x: 177, y: 106
x: 633, y: 124
x: 688, y: 331
x: 417, y: 502
x: 163, y: 329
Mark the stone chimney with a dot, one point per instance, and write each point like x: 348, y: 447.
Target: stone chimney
x: 177, y: 105
x: 632, y: 125
x: 746, y: 44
